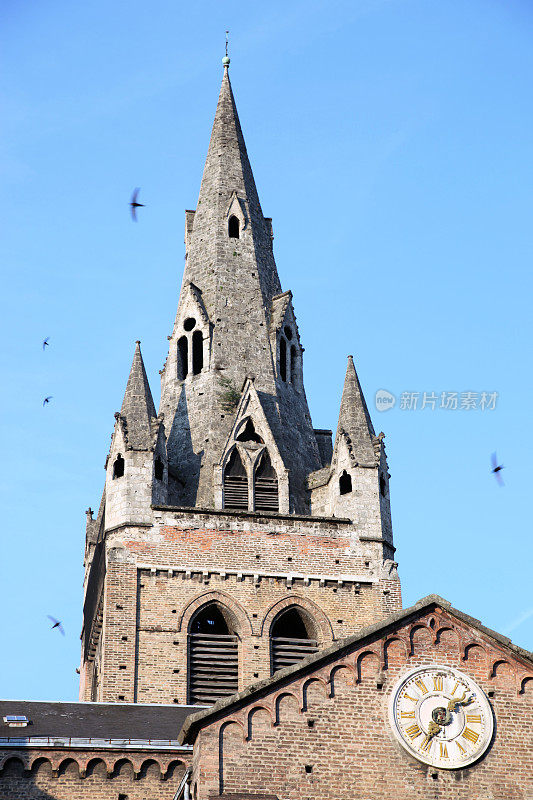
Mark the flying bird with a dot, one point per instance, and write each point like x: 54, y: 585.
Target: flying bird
x: 45, y: 343
x: 56, y: 624
x: 47, y: 399
x: 134, y: 204
x: 496, y: 469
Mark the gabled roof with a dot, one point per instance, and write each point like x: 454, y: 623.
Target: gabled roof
x: 222, y: 708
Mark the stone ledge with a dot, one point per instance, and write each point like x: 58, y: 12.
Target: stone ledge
x: 258, y: 515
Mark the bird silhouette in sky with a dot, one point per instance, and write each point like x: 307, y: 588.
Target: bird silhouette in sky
x: 47, y: 399
x: 134, y: 204
x: 45, y: 343
x: 56, y: 624
x: 496, y: 469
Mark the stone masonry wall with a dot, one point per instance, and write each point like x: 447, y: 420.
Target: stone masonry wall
x: 326, y: 736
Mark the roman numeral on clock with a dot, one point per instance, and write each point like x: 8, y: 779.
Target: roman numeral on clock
x: 443, y: 750
x: 438, y: 683
x: 407, y: 714
x: 408, y: 696
x: 422, y: 686
x: 413, y: 731
x: 471, y: 736
x: 473, y: 718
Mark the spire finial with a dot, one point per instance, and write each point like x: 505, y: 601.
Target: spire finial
x: 226, y: 59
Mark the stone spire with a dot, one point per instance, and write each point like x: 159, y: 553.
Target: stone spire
x: 354, y: 419
x: 138, y: 406
x: 229, y: 325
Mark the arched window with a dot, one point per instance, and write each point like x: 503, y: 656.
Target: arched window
x: 283, y: 358
x: 213, y: 655
x: 159, y: 469
x: 266, y: 485
x: 197, y: 352
x: 183, y: 358
x: 233, y: 227
x: 294, y: 365
x: 118, y: 467
x: 248, y: 434
x: 292, y: 638
x: 345, y: 483
x: 235, y: 483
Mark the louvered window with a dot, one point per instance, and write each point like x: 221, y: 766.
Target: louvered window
x: 235, y: 483
x: 291, y: 639
x: 213, y: 658
x: 266, y: 485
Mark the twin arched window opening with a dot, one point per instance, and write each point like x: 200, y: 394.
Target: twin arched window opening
x: 258, y: 491
x: 213, y: 649
x: 190, y: 350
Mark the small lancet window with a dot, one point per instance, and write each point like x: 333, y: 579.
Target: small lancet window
x: 183, y: 358
x: 233, y: 227
x: 266, y: 485
x: 294, y: 362
x: 345, y: 483
x: 235, y: 483
x: 288, y: 332
x: 283, y: 358
x: 159, y: 469
x: 118, y: 467
x: 249, y: 434
x: 197, y: 352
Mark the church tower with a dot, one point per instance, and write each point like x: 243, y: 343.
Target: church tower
x: 232, y: 538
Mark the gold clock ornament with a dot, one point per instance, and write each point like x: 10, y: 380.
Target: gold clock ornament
x: 441, y: 716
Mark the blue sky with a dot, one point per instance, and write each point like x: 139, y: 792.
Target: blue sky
x: 391, y: 142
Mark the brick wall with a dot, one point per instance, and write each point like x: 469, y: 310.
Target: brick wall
x: 326, y: 735
x: 88, y: 775
x: 156, y: 578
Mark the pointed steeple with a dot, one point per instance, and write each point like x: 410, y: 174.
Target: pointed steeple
x: 354, y: 419
x: 138, y: 406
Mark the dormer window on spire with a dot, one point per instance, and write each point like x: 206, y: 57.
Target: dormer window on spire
x: 190, y: 350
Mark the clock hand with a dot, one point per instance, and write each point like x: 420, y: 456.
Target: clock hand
x: 460, y: 701
x: 433, y: 728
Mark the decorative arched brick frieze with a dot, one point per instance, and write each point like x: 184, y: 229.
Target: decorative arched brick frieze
x: 13, y: 758
x: 65, y: 764
x: 526, y: 685
x: 412, y: 634
x: 170, y: 768
x: 472, y: 649
x: 359, y: 662
x: 387, y: 644
x: 93, y: 763
x: 277, y: 701
x: 37, y: 762
x: 229, y: 723
x: 119, y: 763
x: 500, y: 663
x: 340, y: 668
x: 323, y: 624
x: 447, y: 629
x: 316, y: 679
x: 145, y: 766
x: 242, y: 620
x: 250, y: 716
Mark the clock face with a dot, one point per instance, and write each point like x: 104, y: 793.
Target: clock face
x: 441, y: 716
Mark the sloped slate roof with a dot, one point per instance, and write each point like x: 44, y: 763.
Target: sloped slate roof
x: 95, y: 720
x: 196, y: 721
